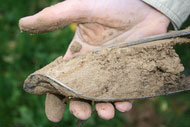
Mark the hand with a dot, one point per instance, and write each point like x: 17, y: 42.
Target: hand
x: 99, y: 22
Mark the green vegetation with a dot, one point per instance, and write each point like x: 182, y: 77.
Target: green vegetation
x: 22, y: 54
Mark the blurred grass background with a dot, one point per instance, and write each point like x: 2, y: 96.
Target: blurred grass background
x: 22, y: 54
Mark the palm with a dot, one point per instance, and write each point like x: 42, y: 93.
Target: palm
x: 109, y: 19
x: 112, y: 21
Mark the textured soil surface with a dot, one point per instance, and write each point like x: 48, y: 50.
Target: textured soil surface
x: 125, y: 73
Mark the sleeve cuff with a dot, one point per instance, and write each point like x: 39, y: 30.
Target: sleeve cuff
x: 176, y: 21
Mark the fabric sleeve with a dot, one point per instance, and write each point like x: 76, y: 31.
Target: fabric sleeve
x: 177, y: 10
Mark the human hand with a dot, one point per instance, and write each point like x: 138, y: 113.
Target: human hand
x: 98, y: 23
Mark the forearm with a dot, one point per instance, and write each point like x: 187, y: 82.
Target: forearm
x: 176, y: 10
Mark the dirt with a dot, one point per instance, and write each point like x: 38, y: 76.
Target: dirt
x: 124, y: 73
x: 96, y: 34
x: 75, y: 47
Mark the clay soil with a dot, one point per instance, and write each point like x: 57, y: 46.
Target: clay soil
x: 126, y: 73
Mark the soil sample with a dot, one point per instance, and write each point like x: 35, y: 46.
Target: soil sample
x: 115, y: 74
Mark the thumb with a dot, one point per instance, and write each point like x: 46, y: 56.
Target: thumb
x: 55, y: 17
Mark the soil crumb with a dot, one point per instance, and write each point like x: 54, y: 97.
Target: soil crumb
x: 75, y: 47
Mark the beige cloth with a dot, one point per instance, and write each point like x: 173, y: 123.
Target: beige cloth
x: 177, y: 10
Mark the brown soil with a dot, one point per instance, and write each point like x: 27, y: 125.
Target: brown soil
x: 75, y: 47
x: 129, y: 72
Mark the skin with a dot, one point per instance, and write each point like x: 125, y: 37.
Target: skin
x: 57, y: 105
x: 98, y: 23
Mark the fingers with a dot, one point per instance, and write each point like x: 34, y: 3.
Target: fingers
x: 54, y: 108
x: 123, y: 106
x: 81, y: 110
x: 55, y: 17
x: 105, y: 110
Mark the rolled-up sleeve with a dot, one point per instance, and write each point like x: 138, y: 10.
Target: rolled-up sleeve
x: 176, y: 10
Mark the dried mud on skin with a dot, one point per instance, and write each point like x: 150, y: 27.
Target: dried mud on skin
x: 125, y: 73
x: 75, y: 47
